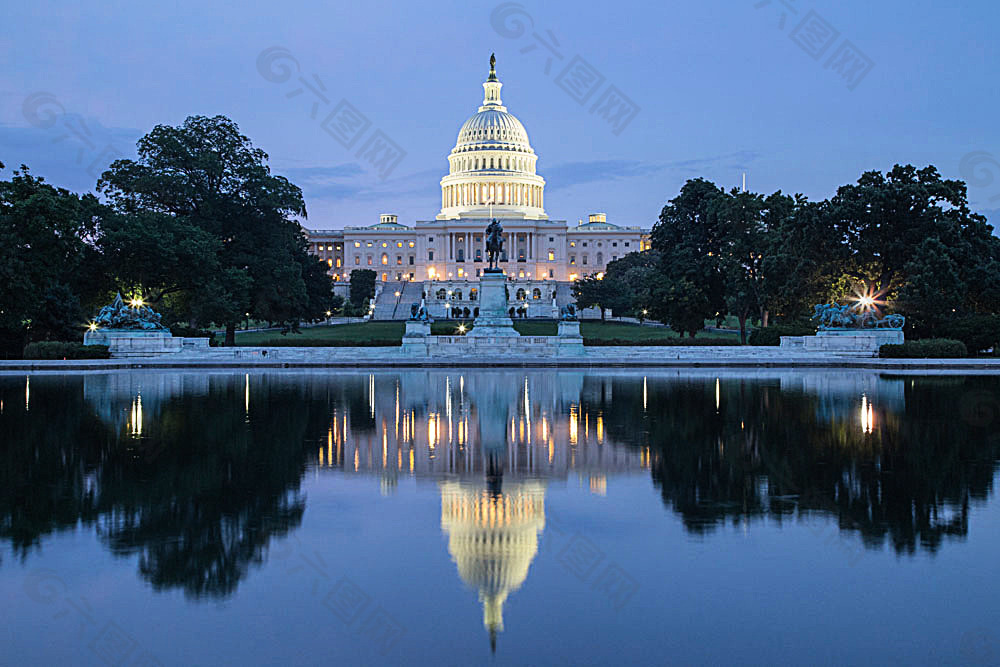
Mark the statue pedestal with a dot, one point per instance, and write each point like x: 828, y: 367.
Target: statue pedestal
x: 415, y: 338
x: 493, y: 320
x: 851, y: 342
x: 142, y: 342
x: 570, y: 342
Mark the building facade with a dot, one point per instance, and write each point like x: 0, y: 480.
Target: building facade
x: 491, y: 173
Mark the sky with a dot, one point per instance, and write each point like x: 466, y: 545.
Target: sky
x: 360, y: 103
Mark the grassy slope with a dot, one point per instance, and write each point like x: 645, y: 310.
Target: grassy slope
x: 362, y: 332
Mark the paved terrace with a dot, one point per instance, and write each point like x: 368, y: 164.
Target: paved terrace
x: 594, y: 357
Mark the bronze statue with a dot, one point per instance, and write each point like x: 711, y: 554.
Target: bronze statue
x: 494, y: 244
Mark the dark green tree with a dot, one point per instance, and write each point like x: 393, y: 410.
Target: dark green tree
x: 206, y: 174
x: 47, y: 259
x: 362, y: 289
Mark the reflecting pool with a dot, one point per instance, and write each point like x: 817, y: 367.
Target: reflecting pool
x: 499, y: 517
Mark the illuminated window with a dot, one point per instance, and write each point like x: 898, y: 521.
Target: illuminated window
x: 572, y: 244
x: 338, y: 262
x: 399, y: 244
x: 552, y: 256
x: 399, y: 259
x: 357, y: 244
x: 461, y: 272
x: 430, y: 255
x: 536, y: 294
x: 384, y: 244
x: 329, y: 247
x: 368, y: 244
x: 370, y: 262
x: 572, y: 260
x: 385, y: 258
x: 329, y: 262
x: 357, y: 260
x: 412, y: 244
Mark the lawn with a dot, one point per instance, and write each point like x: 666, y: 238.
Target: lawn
x: 388, y: 333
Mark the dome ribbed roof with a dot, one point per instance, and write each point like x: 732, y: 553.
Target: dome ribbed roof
x: 493, y: 129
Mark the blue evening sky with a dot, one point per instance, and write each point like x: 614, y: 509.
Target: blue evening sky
x: 622, y: 101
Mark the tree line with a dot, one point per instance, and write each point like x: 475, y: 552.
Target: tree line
x: 906, y: 238
x: 196, y: 226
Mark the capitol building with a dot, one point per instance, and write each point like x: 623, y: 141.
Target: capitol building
x: 491, y: 173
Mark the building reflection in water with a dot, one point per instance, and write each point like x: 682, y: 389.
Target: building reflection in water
x: 208, y: 466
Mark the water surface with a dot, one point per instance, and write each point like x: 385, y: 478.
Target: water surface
x: 500, y: 517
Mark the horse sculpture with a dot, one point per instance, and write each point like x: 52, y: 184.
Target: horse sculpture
x: 834, y: 316
x: 494, y: 244
x: 568, y: 313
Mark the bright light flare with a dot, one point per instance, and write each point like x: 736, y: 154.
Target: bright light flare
x: 461, y: 328
x: 136, y: 302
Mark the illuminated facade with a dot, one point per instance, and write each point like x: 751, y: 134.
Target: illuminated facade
x: 491, y: 171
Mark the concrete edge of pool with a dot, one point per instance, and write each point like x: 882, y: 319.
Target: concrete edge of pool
x: 677, y: 358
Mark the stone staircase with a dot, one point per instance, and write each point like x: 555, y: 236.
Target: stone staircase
x: 390, y: 307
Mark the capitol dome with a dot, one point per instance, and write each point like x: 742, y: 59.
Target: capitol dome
x: 492, y: 163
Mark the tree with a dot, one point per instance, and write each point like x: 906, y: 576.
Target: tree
x: 362, y: 289
x: 739, y: 220
x: 205, y: 175
x: 689, y: 244
x: 631, y: 281
x: 47, y: 259
x: 591, y: 292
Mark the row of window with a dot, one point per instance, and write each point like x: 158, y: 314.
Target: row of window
x: 599, y: 258
x: 456, y: 295
x: 600, y: 244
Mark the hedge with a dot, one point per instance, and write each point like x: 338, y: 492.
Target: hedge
x: 978, y: 332
x: 62, y: 350
x: 312, y: 342
x: 772, y: 335
x: 927, y: 348
x: 662, y: 342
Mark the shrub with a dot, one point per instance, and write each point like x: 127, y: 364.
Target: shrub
x: 927, y: 348
x: 64, y: 350
x: 978, y: 332
x: 663, y: 342
x: 312, y: 342
x: 772, y: 335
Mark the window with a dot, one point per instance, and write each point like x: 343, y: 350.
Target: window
x: 572, y: 260
x: 520, y: 294
x: 370, y: 262
x: 399, y: 259
x: 384, y: 244
x: 329, y: 247
x: 551, y: 274
x: 411, y: 276
x: 357, y: 261
x: 551, y: 239
x: 338, y: 262
x: 461, y: 272
x: 552, y: 256
x: 329, y: 262
x: 357, y: 244
x: 411, y: 244
x: 368, y: 244
x: 442, y: 294
x: 479, y: 254
x: 411, y: 260
x: 626, y: 244
x: 460, y: 255
x: 615, y: 244
x: 572, y: 244
x: 584, y: 244
x: 457, y: 295
x: 600, y: 258
x: 385, y: 259
x: 385, y: 277
x: 399, y: 244
x: 473, y: 293
x: 614, y: 258
x: 430, y: 255
x: 585, y: 260
x: 536, y: 294
x: 430, y: 239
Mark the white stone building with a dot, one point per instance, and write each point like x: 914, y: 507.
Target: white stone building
x: 492, y: 173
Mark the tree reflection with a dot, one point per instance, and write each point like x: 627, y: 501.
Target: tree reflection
x: 197, y: 495
x: 904, y: 471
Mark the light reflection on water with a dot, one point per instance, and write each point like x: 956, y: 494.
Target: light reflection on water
x: 197, y: 480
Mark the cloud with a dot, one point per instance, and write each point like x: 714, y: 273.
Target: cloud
x: 351, y: 181
x: 67, y: 149
x: 577, y: 173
